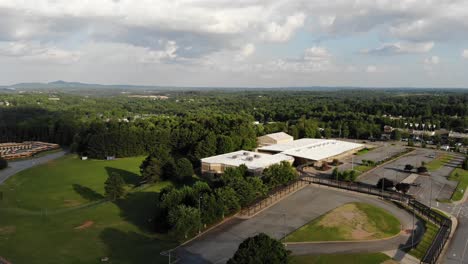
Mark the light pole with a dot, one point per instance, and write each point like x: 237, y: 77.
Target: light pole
x: 199, y: 211
x: 430, y: 197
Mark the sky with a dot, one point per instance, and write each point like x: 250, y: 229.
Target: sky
x: 241, y: 43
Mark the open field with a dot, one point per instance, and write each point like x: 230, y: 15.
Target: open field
x: 461, y: 176
x: 438, y: 162
x: 65, y: 182
x: 68, y: 234
x: 352, y: 221
x: 358, y: 258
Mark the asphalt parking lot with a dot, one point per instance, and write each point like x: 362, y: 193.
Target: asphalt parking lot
x: 218, y: 245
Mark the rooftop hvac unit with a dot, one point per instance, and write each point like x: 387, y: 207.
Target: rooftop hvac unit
x: 245, y: 153
x: 256, y: 156
x: 249, y: 158
x: 234, y: 157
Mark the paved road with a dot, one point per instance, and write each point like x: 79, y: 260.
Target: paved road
x: 458, y: 248
x: 218, y: 245
x: 17, y: 166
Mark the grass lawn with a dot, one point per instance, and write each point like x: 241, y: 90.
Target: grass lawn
x: 438, y: 162
x: 363, y: 151
x: 119, y: 230
x: 361, y: 258
x: 361, y: 169
x: 461, y: 176
x: 353, y: 221
x: 65, y: 182
x: 429, y: 235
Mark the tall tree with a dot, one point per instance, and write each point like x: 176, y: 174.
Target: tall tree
x: 184, y: 169
x: 260, y: 249
x: 185, y: 220
x: 114, y: 186
x: 3, y: 163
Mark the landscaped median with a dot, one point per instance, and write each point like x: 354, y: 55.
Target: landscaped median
x: 438, y: 162
x: 358, y: 258
x: 349, y: 222
x: 461, y: 176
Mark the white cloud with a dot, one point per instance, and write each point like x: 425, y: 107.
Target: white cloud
x: 247, y: 50
x: 168, y: 53
x: 371, y: 69
x: 433, y: 60
x: 36, y: 51
x: 316, y: 53
x: 401, y: 48
x: 465, y: 54
x: 280, y: 33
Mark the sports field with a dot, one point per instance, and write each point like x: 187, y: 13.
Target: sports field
x: 55, y: 213
x: 352, y: 221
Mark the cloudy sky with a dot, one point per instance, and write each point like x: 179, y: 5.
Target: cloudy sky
x: 256, y: 43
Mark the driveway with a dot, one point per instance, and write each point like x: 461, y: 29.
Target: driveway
x: 218, y: 245
x: 17, y: 166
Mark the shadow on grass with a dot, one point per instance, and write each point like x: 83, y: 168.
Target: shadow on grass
x: 132, y: 247
x: 87, y: 193
x: 127, y: 176
x: 139, y: 208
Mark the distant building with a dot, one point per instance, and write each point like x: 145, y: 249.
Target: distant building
x: 275, y: 138
x: 313, y: 150
x: 387, y: 129
x: 255, y: 162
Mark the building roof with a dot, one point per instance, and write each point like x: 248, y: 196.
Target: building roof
x: 313, y: 149
x: 279, y: 136
x: 253, y: 160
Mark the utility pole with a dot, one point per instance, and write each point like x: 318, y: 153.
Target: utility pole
x: 412, y: 235
x: 352, y: 162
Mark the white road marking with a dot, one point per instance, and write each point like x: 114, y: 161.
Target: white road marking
x: 464, y: 251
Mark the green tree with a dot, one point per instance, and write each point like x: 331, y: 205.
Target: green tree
x: 229, y: 200
x: 3, y: 163
x: 184, y: 169
x: 114, y: 186
x: 279, y: 174
x: 224, y: 145
x: 396, y: 134
x: 185, y: 220
x: 151, y: 169
x: 260, y: 249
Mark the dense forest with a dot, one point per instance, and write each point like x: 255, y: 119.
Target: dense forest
x: 196, y: 124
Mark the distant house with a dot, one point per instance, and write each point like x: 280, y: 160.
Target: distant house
x: 388, y: 129
x: 110, y: 158
x: 273, y: 139
x: 84, y: 157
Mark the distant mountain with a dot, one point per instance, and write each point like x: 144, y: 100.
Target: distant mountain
x: 63, y: 84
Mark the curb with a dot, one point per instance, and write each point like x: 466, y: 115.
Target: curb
x: 344, y: 241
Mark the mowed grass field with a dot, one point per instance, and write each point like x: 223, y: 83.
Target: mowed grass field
x: 65, y: 182
x: 353, y: 221
x: 362, y: 258
x: 71, y: 232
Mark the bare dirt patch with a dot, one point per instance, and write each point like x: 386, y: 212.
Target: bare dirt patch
x: 7, y: 230
x: 352, y: 221
x: 71, y: 203
x: 85, y: 225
